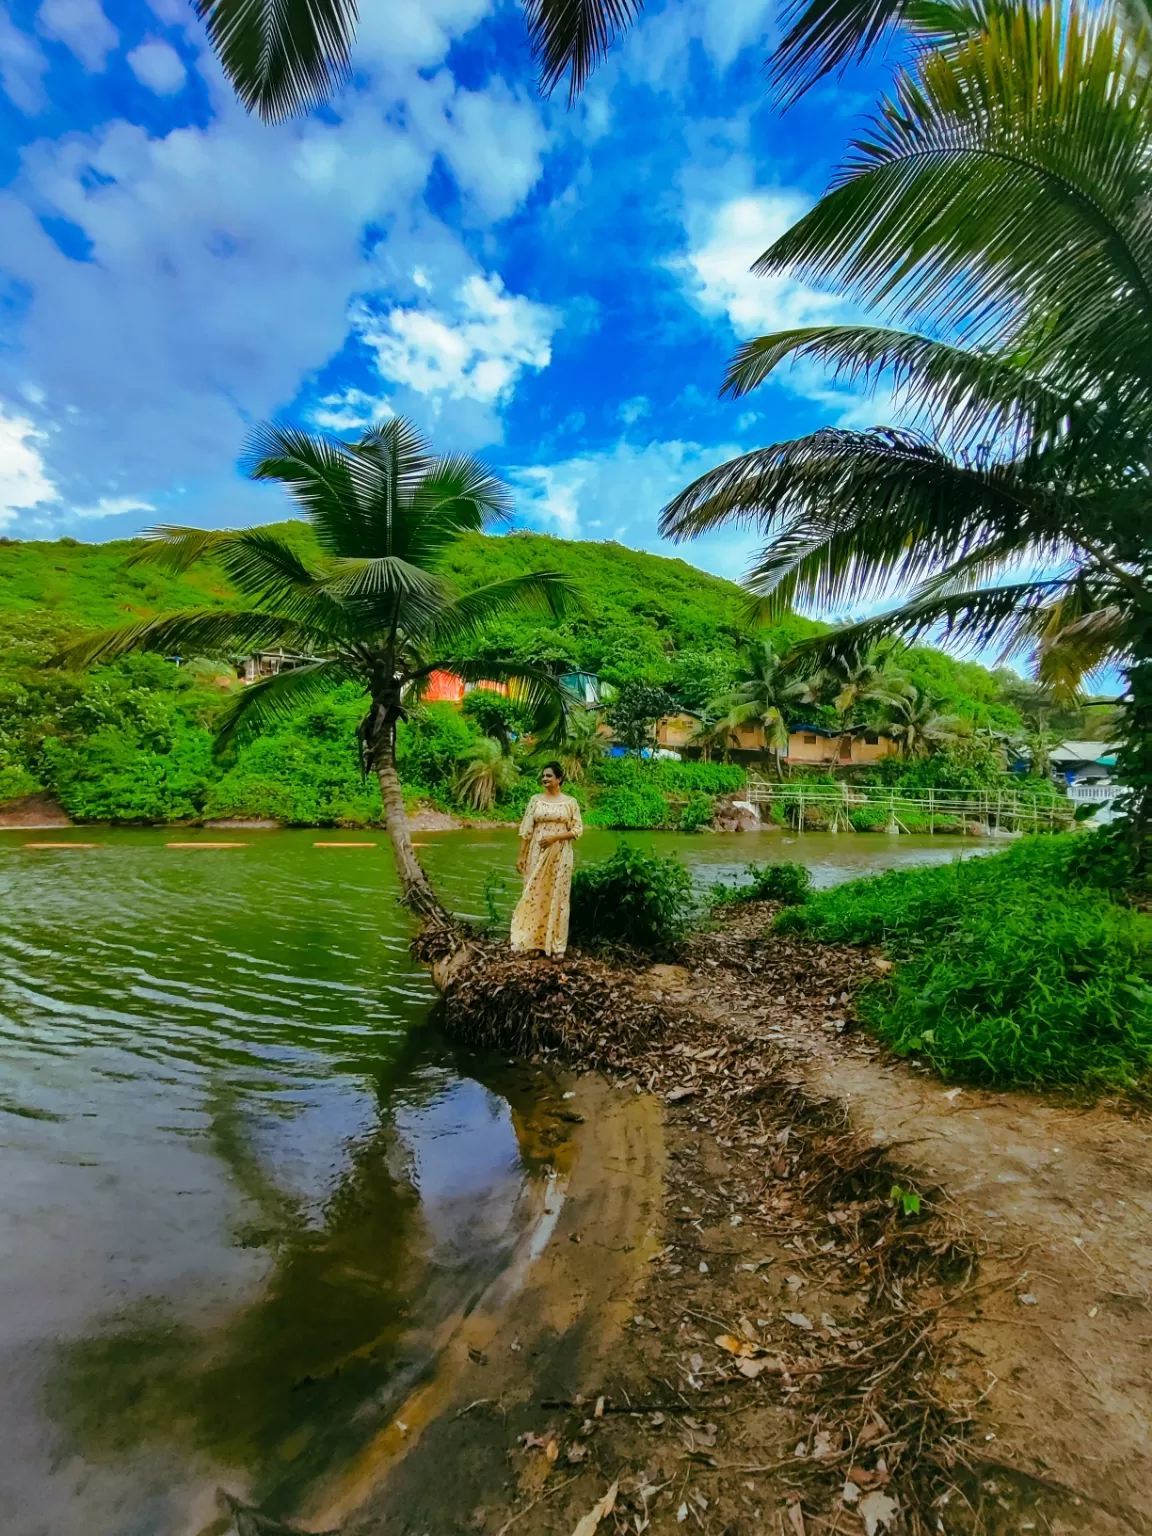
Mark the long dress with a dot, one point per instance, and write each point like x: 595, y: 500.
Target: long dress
x: 540, y: 921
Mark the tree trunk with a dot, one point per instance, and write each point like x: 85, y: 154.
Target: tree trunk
x: 415, y: 889
x: 1134, y: 759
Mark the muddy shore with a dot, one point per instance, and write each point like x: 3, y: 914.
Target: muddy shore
x: 795, y: 1285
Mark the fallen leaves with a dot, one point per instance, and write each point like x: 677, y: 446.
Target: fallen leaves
x: 588, y: 1525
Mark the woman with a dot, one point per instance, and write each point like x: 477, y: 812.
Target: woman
x: 551, y: 825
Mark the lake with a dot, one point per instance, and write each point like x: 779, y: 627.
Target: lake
x: 242, y: 1176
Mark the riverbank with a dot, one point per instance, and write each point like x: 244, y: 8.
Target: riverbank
x: 874, y: 1303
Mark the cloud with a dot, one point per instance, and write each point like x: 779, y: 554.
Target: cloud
x: 82, y: 26
x: 632, y: 410
x: 24, y: 481
x: 473, y: 349
x: 618, y: 494
x: 351, y: 410
x: 231, y: 267
x: 159, y: 67
x: 725, y: 240
x: 22, y: 66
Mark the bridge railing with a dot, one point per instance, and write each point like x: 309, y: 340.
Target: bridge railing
x: 867, y: 807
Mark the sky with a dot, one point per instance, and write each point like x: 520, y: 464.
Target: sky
x: 557, y: 290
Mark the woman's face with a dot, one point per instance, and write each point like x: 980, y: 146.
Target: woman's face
x: 549, y: 780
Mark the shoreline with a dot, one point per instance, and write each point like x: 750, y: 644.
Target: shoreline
x: 803, y: 1346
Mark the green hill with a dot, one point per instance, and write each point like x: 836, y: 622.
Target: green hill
x: 134, y: 740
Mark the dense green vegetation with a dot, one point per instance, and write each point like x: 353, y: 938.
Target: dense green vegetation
x: 133, y: 740
x: 1021, y: 969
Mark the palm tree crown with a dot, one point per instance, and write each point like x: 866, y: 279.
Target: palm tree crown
x: 369, y: 608
x: 1001, y: 196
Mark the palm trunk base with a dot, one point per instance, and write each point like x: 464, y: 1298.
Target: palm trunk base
x: 416, y: 891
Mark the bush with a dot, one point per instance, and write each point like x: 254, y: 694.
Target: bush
x: 672, y: 776
x: 629, y: 809
x: 1010, y: 970
x: 632, y: 898
x: 698, y: 813
x: 784, y: 882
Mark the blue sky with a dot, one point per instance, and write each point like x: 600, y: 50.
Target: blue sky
x: 556, y: 290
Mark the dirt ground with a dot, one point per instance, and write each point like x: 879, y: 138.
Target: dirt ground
x: 830, y: 1294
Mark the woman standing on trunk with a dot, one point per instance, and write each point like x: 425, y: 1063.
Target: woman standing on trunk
x: 551, y: 825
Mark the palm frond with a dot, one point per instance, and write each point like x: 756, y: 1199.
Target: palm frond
x: 825, y: 35
x: 854, y: 514
x: 386, y: 592
x: 971, y: 204
x: 189, y: 632
x: 1076, y: 647
x: 547, y: 592
x: 332, y: 486
x: 281, y: 56
x: 177, y: 549
x: 969, y: 394
x: 274, y: 699
x: 570, y: 37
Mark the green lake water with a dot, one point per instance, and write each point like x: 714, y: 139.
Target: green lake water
x: 242, y: 1177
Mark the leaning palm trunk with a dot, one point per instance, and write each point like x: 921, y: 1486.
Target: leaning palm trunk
x: 415, y: 888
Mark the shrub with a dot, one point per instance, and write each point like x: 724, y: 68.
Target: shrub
x: 633, y: 898
x: 432, y: 741
x: 784, y: 882
x: 1010, y: 970
x: 629, y: 809
x: 698, y: 812
x: 672, y: 776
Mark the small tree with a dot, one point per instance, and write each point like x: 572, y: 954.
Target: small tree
x: 764, y: 690
x: 635, y: 713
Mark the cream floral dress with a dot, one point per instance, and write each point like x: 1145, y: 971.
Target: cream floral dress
x: 540, y: 921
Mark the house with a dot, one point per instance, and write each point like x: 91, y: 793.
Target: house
x: 447, y: 688
x: 819, y: 745
x: 585, y: 686
x: 263, y: 664
x: 811, y: 744
x: 1078, y: 762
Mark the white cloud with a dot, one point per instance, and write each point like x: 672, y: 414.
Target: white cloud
x: 22, y: 65
x: 229, y: 265
x: 473, y: 349
x: 111, y: 506
x: 83, y: 27
x: 725, y: 240
x: 159, y: 67
x: 24, y: 481
x: 351, y: 410
x: 618, y: 494
x: 632, y: 410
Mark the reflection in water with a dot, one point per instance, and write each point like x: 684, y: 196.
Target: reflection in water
x: 241, y: 1180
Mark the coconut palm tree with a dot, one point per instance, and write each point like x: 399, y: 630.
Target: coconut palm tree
x: 368, y: 606
x: 913, y: 720
x: 848, y: 679
x: 1000, y: 196
x: 764, y: 691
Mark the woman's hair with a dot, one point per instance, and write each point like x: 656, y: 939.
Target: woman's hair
x: 556, y: 769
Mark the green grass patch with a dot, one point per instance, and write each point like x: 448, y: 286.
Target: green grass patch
x: 1018, y: 969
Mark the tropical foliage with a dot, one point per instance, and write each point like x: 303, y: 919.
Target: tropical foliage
x: 1022, y: 969
x: 764, y: 698
x: 631, y: 898
x: 372, y: 609
x: 999, y: 197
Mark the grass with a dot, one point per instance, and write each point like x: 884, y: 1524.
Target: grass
x: 1014, y: 970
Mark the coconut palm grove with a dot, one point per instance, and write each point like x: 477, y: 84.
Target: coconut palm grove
x: 575, y: 767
